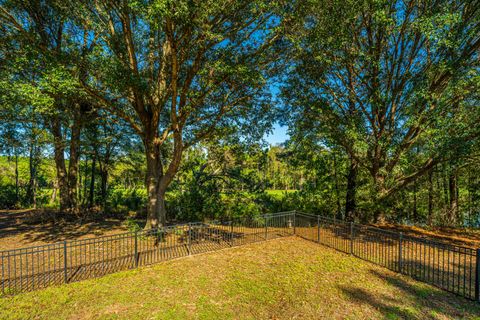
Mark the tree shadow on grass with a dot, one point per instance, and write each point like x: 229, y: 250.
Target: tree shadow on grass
x: 12, y: 225
x: 412, y: 300
x: 54, y: 232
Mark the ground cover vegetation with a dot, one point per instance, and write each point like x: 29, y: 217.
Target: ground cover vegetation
x: 278, y: 279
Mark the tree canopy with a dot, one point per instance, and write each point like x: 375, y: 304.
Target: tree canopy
x: 98, y: 98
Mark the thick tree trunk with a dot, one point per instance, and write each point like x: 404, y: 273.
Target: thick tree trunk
x: 378, y: 198
x: 350, y: 201
x: 156, y: 210
x: 156, y: 213
x: 158, y: 180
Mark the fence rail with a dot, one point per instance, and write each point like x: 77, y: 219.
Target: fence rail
x: 32, y: 268
x: 450, y: 267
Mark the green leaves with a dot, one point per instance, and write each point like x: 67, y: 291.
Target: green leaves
x: 384, y: 81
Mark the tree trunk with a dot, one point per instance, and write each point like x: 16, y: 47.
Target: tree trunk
x: 156, y: 214
x: 470, y: 193
x: 74, y: 160
x: 54, y: 192
x: 31, y: 180
x: 17, y: 184
x: 103, y: 182
x: 103, y: 166
x: 34, y: 192
x: 158, y: 180
x: 430, y: 197
x: 445, y: 184
x: 59, y: 155
x: 350, y: 201
x: 452, y: 189
x: 415, y: 209
x: 83, y: 194
x: 92, y: 182
x: 337, y: 188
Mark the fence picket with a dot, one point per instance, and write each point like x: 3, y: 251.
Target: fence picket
x: 450, y: 267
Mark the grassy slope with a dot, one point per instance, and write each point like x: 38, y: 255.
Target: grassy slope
x: 280, y: 279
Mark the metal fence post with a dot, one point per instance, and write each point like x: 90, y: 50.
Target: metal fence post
x: 294, y: 222
x: 65, y: 272
x: 231, y: 233
x: 477, y: 276
x: 3, y: 276
x: 318, y: 228
x: 351, y: 237
x: 266, y: 228
x: 400, y: 254
x: 189, y: 239
x: 135, y: 254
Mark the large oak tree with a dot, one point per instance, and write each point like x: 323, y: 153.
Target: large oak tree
x: 180, y: 72
x: 383, y: 79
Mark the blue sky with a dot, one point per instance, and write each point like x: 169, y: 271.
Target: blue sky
x: 279, y: 135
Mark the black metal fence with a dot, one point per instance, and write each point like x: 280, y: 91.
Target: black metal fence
x: 38, y: 267
x: 450, y: 267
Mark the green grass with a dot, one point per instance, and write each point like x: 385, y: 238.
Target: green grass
x: 280, y: 279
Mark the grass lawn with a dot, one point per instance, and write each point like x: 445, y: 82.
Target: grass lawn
x: 287, y: 278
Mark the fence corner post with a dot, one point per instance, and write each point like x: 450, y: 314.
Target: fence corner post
x: 65, y: 272
x: 351, y: 237
x: 400, y: 254
x: 135, y: 254
x: 477, y: 276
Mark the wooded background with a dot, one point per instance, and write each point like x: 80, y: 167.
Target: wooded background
x: 159, y: 107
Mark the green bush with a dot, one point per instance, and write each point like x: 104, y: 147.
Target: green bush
x: 132, y: 225
x: 123, y: 200
x: 8, y: 197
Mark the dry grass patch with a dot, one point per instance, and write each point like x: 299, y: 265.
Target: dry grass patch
x: 280, y: 279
